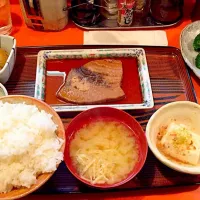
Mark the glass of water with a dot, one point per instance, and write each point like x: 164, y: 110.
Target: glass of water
x: 5, y: 17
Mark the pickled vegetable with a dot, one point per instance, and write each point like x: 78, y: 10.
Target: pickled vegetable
x: 197, y: 61
x: 3, y: 57
x: 196, y: 43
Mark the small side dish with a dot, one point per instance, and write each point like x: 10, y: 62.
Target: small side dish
x: 104, y: 152
x: 7, y: 57
x: 173, y: 135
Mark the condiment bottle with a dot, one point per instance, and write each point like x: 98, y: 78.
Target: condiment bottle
x: 125, y: 12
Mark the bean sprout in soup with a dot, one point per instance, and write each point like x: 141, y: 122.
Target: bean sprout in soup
x: 104, y: 152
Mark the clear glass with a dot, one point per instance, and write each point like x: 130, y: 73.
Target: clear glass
x: 5, y: 17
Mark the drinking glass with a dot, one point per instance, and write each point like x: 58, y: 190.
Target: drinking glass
x: 166, y: 11
x: 85, y: 12
x: 5, y: 17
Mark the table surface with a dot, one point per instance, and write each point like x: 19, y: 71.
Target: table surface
x: 73, y: 35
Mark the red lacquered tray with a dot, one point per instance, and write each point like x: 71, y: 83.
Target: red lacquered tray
x: 170, y: 82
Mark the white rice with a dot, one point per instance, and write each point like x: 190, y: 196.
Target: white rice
x: 29, y: 145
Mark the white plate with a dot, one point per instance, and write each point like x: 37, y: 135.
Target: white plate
x: 139, y: 53
x: 186, y: 42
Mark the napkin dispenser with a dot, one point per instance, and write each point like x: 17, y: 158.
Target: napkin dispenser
x: 44, y: 15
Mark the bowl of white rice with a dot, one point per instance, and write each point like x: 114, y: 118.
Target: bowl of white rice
x: 32, y: 142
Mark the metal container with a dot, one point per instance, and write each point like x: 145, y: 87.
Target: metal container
x: 44, y: 15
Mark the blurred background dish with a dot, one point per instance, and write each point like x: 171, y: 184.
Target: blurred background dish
x: 187, y: 37
x: 7, y: 44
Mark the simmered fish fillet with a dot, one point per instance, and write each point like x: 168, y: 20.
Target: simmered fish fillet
x: 97, y: 81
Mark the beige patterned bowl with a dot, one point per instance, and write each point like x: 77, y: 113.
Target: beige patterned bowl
x: 185, y: 112
x: 18, y: 193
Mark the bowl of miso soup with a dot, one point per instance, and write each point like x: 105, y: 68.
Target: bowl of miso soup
x: 106, y: 147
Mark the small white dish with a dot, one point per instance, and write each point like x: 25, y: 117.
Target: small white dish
x: 187, y: 37
x: 8, y: 43
x: 3, y: 91
x: 184, y: 112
